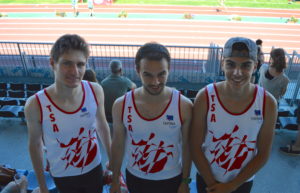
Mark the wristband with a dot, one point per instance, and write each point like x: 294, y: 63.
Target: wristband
x: 186, y: 180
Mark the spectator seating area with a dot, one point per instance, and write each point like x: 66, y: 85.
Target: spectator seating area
x: 13, y: 97
x: 287, y: 117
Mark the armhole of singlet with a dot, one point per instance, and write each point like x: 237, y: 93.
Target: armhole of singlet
x: 207, y: 100
x: 123, y: 106
x: 93, y: 93
x: 40, y: 106
x: 179, y: 108
x: 264, y: 103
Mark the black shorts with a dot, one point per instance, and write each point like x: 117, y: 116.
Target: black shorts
x: 91, y: 182
x: 139, y: 185
x: 201, y: 186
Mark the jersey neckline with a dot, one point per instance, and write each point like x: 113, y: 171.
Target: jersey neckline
x: 152, y: 119
x: 62, y: 110
x: 245, y: 110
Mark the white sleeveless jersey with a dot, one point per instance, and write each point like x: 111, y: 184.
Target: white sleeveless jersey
x: 230, y: 142
x: 154, y: 146
x: 70, y: 138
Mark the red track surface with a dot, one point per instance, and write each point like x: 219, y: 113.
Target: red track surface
x: 139, y: 31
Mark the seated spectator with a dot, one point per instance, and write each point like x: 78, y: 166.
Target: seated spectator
x: 272, y: 77
x: 114, y: 86
x: 90, y: 75
x: 294, y: 147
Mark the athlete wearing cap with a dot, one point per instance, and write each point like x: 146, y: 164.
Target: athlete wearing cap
x: 233, y: 124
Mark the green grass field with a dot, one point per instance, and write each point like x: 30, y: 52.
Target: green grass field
x: 229, y: 3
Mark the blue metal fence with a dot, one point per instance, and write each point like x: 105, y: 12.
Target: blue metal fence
x: 293, y: 72
x: 189, y: 64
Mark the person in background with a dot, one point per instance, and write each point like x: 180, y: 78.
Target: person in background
x: 91, y: 7
x: 114, y: 86
x: 75, y: 7
x: 90, y: 75
x: 233, y: 124
x: 255, y: 75
x: 260, y: 53
x: 272, y: 76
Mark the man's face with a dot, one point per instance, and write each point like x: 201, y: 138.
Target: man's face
x: 238, y: 69
x: 70, y: 68
x: 154, y: 75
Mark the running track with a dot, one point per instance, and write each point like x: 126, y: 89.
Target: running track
x: 139, y: 31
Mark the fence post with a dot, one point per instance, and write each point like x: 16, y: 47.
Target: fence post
x: 290, y: 62
x: 296, y: 91
x: 22, y: 56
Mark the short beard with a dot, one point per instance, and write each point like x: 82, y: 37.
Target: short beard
x: 154, y: 94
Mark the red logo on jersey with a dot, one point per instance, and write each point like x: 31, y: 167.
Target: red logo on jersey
x: 145, y: 150
x: 223, y: 155
x: 81, y: 150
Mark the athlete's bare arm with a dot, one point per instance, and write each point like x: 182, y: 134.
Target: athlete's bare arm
x: 186, y: 115
x: 33, y: 119
x: 197, y: 137
x: 118, y: 144
x: 102, y: 125
x: 264, y: 144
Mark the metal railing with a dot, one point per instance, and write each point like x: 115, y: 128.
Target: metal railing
x: 293, y: 72
x: 189, y: 64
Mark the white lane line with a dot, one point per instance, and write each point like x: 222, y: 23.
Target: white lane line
x: 78, y: 20
x: 64, y: 24
x: 141, y: 36
x: 152, y: 30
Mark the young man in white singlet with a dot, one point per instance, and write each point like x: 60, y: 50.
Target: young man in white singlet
x: 233, y: 124
x: 152, y: 122
x: 65, y: 118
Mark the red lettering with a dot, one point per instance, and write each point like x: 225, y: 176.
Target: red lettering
x: 49, y: 108
x: 213, y: 118
x: 130, y: 127
x: 55, y: 128
x: 213, y: 107
x: 129, y: 109
x: 129, y: 120
x: 213, y: 98
x: 52, y: 117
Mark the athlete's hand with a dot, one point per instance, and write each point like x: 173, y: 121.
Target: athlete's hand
x: 183, y: 188
x: 43, y: 190
x: 115, y: 187
x: 108, y: 165
x: 221, y: 188
x: 36, y: 190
